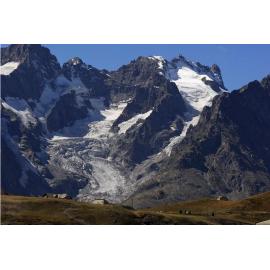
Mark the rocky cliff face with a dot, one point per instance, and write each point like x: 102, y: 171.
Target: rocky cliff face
x: 92, y: 78
x: 226, y: 153
x: 130, y: 133
x: 36, y: 68
x: 151, y: 95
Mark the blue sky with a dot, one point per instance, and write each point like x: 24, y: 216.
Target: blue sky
x: 239, y: 64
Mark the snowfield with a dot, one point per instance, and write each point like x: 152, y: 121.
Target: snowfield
x: 192, y: 88
x: 7, y: 68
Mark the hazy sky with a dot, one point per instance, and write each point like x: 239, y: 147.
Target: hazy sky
x: 239, y: 64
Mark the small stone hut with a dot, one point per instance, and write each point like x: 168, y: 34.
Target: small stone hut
x: 100, y: 201
x: 64, y: 196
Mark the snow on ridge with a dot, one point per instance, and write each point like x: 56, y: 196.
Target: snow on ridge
x: 21, y: 109
x: 124, y: 126
x: 159, y: 58
x: 161, y: 62
x: 175, y: 140
x: 50, y: 96
x: 8, y: 68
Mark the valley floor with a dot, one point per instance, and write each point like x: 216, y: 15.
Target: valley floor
x: 32, y: 210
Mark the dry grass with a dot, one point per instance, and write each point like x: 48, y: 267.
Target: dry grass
x: 32, y: 210
x: 250, y: 210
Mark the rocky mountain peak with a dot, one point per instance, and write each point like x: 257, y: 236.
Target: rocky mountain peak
x: 27, y: 53
x: 35, y: 68
x: 75, y: 61
x: 215, y: 69
x: 180, y: 57
x: 266, y: 83
x: 251, y: 87
x: 16, y: 52
x: 91, y: 77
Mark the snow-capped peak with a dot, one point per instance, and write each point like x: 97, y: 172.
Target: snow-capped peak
x: 159, y: 58
x: 198, y: 85
x: 161, y: 63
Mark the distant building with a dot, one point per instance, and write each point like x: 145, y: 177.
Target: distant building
x: 59, y: 196
x: 100, y: 201
x: 222, y: 198
x: 64, y: 196
x: 50, y: 195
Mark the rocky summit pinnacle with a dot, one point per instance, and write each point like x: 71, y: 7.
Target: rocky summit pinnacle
x: 152, y: 132
x: 215, y: 69
x: 75, y: 61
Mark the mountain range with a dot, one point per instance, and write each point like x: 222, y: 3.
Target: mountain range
x: 152, y: 132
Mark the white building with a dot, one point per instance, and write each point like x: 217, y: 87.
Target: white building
x: 100, y: 201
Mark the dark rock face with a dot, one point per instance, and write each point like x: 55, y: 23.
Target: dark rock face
x: 226, y: 153
x: 214, y: 85
x: 37, y: 67
x: 139, y: 74
x: 20, y: 144
x: 216, y: 70
x: 28, y: 137
x: 266, y: 83
x: 66, y: 111
x: 91, y: 77
x: 15, y: 178
x: 10, y: 170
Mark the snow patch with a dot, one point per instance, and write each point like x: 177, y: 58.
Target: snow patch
x: 103, y: 118
x: 21, y: 109
x: 161, y: 61
x: 124, y: 126
x: 49, y: 96
x: 96, y: 126
x: 75, y: 61
x: 8, y: 68
x: 178, y: 139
